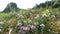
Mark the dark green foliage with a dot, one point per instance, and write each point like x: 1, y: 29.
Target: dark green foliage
x: 11, y: 7
x: 48, y: 4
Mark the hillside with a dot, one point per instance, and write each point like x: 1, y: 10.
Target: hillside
x: 36, y: 21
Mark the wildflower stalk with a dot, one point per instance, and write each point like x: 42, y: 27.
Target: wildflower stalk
x: 42, y: 25
x: 10, y: 31
x: 42, y: 31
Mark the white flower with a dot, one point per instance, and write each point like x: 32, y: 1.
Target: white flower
x: 52, y: 16
x: 29, y: 25
x: 44, y: 15
x: 29, y: 21
x: 0, y: 30
x: 20, y: 15
x: 19, y: 23
x: 42, y: 25
x: 30, y: 13
x: 1, y: 22
x: 33, y: 27
x: 35, y: 23
x: 37, y: 16
x: 25, y: 21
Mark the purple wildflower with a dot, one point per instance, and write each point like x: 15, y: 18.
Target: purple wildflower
x: 25, y: 28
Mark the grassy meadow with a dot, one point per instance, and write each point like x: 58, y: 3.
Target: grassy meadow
x: 31, y: 21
